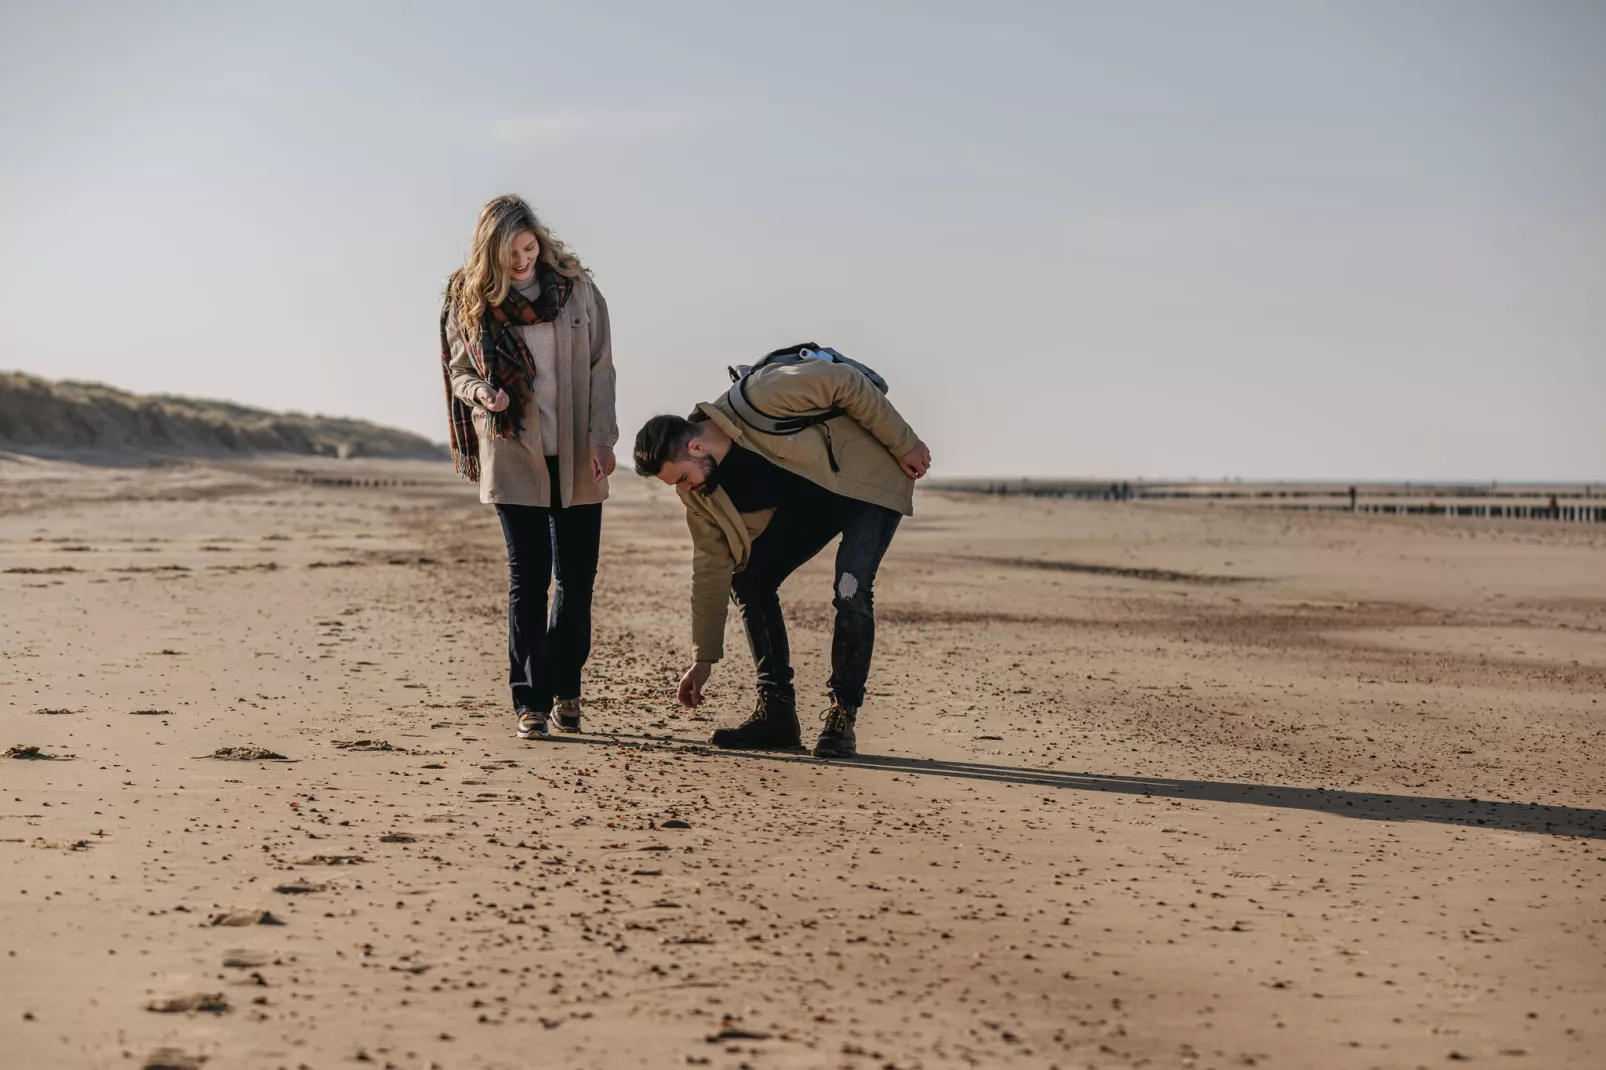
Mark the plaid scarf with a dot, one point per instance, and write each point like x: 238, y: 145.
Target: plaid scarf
x: 503, y: 360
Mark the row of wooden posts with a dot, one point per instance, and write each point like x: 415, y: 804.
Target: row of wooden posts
x: 1591, y: 510
x: 1586, y: 514
x: 1581, y: 514
x: 355, y: 481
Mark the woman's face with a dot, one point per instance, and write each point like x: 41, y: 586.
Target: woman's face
x: 525, y: 251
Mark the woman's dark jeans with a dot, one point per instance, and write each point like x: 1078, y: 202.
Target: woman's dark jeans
x: 546, y: 653
x: 793, y: 536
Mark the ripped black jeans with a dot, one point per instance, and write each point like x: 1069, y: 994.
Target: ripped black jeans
x: 793, y: 536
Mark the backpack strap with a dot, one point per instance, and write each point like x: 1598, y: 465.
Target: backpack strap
x: 767, y: 423
x: 759, y: 420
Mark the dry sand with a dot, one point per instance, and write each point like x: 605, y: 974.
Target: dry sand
x: 1252, y: 790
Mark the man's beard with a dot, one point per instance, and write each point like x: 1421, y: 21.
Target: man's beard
x: 710, y: 482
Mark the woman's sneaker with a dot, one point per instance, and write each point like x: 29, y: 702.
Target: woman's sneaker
x: 532, y: 725
x: 567, y: 713
x: 836, y: 738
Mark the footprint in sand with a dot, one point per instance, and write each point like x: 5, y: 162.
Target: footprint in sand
x: 244, y: 917
x: 28, y: 752
x: 366, y: 744
x: 301, y: 887
x: 247, y: 753
x: 211, y: 1002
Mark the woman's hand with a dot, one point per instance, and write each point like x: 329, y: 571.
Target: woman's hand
x: 691, y: 685
x: 601, y: 463
x: 493, y: 402
x: 917, y: 462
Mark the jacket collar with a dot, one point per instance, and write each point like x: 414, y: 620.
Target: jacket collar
x: 731, y: 427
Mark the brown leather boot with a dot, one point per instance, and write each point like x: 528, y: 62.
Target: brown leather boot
x: 771, y: 726
x: 836, y: 738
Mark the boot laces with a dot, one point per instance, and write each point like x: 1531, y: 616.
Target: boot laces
x: 761, y: 712
x: 835, y: 718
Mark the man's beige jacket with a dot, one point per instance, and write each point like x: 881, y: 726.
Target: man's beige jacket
x: 865, y: 443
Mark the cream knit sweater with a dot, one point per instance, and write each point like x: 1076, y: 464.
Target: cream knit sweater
x: 543, y: 346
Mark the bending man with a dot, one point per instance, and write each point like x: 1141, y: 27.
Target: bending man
x: 759, y: 505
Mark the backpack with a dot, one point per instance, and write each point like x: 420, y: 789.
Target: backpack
x: 758, y: 419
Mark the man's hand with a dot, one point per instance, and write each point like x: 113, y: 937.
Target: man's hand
x: 691, y: 685
x: 494, y: 402
x: 917, y: 462
x: 601, y: 463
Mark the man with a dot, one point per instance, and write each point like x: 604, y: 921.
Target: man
x: 759, y: 505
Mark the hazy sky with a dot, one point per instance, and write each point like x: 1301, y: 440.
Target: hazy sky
x: 1266, y: 239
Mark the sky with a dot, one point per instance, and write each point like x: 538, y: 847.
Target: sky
x: 1265, y: 239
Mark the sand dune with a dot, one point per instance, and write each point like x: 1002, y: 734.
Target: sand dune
x: 1339, y: 806
x: 71, y: 417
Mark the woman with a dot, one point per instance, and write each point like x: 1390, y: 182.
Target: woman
x: 528, y: 359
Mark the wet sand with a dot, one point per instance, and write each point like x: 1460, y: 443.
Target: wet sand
x: 1147, y: 784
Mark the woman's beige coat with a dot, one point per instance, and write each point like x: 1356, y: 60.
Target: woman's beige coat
x: 513, y: 471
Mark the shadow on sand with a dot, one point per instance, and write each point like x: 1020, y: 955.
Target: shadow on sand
x: 1366, y: 805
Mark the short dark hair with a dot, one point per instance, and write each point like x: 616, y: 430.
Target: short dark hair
x: 661, y: 440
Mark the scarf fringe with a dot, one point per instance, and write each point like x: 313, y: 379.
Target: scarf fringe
x: 466, y: 465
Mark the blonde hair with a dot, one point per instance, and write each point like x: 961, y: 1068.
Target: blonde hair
x: 484, y: 280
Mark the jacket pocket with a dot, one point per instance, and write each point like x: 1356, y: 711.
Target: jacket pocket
x: 578, y: 320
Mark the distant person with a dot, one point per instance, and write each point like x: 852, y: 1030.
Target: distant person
x: 761, y: 504
x: 1352, y: 499
x: 528, y: 360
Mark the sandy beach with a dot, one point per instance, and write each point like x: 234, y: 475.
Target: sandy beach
x: 1146, y: 785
